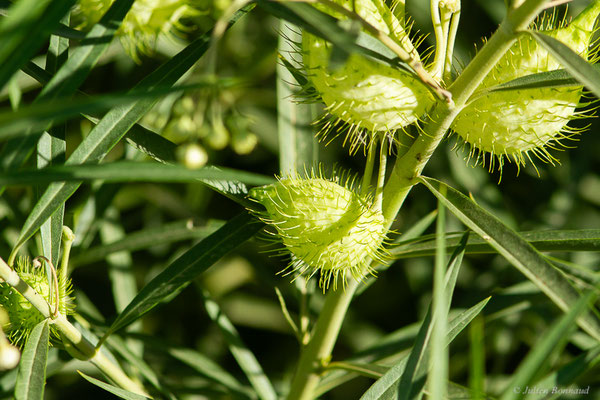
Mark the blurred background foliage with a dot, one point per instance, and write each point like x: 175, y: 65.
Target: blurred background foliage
x: 237, y: 128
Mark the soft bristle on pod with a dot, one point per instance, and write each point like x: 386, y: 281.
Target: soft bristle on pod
x: 327, y: 228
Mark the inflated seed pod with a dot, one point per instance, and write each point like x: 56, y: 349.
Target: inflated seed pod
x: 514, y: 125
x: 327, y: 227
x: 23, y: 316
x: 362, y: 92
x: 145, y: 21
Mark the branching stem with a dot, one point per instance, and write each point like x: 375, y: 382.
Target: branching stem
x: 69, y: 332
x: 402, y: 179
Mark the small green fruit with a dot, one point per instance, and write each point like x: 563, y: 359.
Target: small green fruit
x: 516, y: 124
x: 327, y: 227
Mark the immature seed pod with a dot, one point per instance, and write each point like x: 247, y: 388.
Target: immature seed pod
x: 327, y: 227
x: 23, y: 316
x: 516, y: 124
x: 145, y: 21
x: 364, y: 93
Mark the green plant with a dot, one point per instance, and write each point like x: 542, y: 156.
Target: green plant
x: 171, y: 187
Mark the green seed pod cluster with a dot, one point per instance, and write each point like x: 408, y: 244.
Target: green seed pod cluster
x: 367, y: 95
x: 23, y: 316
x: 145, y: 21
x: 514, y: 125
x: 327, y: 227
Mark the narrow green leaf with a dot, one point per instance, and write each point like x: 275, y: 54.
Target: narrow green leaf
x: 539, y: 353
x: 298, y: 148
x: 208, y: 368
x: 187, y: 267
x: 244, y: 357
x: 543, y: 80
x: 407, y: 377
x: 566, y: 375
x: 362, y: 369
x: 66, y: 81
x: 30, y: 120
x: 107, y: 133
x: 129, y: 171
x: 559, y: 240
x: 581, y: 70
x: 25, y: 29
x: 323, y: 25
x: 147, y: 238
x: 477, y: 358
x: 393, y: 345
x: 127, y: 352
x: 515, y: 249
x: 390, y: 379
x: 122, y: 393
x: 156, y: 146
x: 31, y: 376
x: 51, y: 149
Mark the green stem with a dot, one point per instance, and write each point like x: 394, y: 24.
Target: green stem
x: 402, y: 179
x: 318, y: 350
x: 368, y: 173
x: 68, y: 331
x: 408, y: 168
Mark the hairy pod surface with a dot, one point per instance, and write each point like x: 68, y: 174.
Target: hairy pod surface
x: 22, y: 315
x: 327, y: 227
x: 516, y: 124
x: 362, y: 92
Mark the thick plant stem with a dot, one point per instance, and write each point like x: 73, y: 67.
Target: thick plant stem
x: 404, y: 176
x: 69, y: 332
x: 408, y: 168
x: 318, y: 349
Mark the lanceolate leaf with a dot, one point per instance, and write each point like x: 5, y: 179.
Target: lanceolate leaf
x: 122, y: 393
x: 67, y: 79
x: 323, y: 25
x: 110, y: 130
x: 187, y: 267
x: 537, y: 357
x: 244, y: 357
x: 581, y: 70
x: 24, y: 30
x: 515, y: 249
x: 31, y: 376
x: 129, y: 171
x: 156, y: 146
x: 559, y: 240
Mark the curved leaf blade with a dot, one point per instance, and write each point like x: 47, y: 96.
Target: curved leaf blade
x: 581, y: 70
x: 122, y: 393
x: 31, y: 376
x: 129, y: 171
x: 187, y: 267
x: 110, y: 130
x: 244, y: 357
x: 515, y: 249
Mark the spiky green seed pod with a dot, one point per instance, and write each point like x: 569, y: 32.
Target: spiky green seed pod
x: 145, y: 21
x: 23, y: 316
x: 516, y: 124
x: 364, y: 93
x: 327, y: 227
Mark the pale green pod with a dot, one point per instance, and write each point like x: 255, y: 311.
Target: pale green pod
x: 514, y: 125
x: 22, y: 315
x: 327, y: 227
x: 364, y: 93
